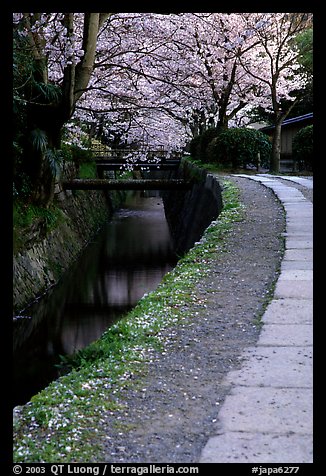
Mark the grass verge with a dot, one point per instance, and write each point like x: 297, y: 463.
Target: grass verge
x: 63, y: 423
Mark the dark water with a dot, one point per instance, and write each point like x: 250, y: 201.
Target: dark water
x: 128, y: 259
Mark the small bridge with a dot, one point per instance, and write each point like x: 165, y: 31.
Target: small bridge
x: 102, y: 151
x: 108, y: 159
x: 121, y: 164
x: 120, y: 159
x: 133, y: 184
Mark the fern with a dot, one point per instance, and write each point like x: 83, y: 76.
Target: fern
x: 50, y: 92
x: 54, y: 158
x: 39, y: 140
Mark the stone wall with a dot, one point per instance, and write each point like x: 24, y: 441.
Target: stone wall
x: 44, y: 259
x: 190, y: 212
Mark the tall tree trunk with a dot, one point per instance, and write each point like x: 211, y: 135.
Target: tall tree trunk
x: 44, y: 120
x: 280, y: 116
x: 50, y: 117
x: 276, y: 148
x: 84, y: 69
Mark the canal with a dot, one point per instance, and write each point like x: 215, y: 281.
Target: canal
x: 127, y: 259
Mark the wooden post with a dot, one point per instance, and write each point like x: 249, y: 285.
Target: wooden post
x: 258, y: 162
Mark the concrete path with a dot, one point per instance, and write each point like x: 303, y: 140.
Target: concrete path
x: 306, y: 182
x: 267, y: 417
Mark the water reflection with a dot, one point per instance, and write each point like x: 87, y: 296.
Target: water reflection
x: 127, y: 260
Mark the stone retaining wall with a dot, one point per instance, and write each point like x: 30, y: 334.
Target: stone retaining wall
x: 190, y: 212
x: 41, y: 264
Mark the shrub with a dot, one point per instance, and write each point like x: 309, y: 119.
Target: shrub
x: 198, y: 145
x: 239, y: 147
x: 72, y: 152
x: 302, y: 148
x: 194, y: 147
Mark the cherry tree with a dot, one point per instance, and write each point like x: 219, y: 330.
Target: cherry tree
x: 274, y: 64
x: 176, y: 66
x: 134, y: 79
x: 189, y: 67
x: 227, y: 89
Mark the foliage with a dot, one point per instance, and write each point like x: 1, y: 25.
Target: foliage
x: 198, y: 146
x: 87, y: 170
x: 194, y: 147
x: 304, y: 42
x: 54, y: 159
x: 22, y: 72
x: 75, y: 153
x: 239, y: 147
x: 27, y: 217
x: 38, y: 140
x: 302, y: 148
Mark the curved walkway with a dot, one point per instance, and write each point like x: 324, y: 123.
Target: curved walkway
x: 267, y: 417
x: 305, y: 182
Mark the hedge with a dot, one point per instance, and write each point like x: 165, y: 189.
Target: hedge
x: 302, y: 148
x: 239, y: 147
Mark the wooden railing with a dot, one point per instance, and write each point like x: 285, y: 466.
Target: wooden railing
x: 103, y: 151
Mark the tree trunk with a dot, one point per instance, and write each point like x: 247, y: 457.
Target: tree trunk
x: 276, y: 148
x: 47, y: 120
x: 84, y: 69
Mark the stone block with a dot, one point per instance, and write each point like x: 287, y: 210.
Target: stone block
x: 296, y: 264
x: 298, y: 255
x: 289, y: 311
x: 286, y: 288
x: 243, y: 447
x: 268, y: 410
x: 296, y: 274
x: 274, y: 367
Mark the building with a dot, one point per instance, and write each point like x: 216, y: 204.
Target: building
x: 289, y: 128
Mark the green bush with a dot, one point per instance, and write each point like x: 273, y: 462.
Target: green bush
x: 28, y: 218
x: 71, y: 152
x: 239, y: 147
x: 194, y: 147
x: 302, y: 148
x: 87, y: 170
x: 198, y: 145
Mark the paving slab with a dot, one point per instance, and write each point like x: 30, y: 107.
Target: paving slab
x: 296, y: 243
x: 286, y: 334
x: 296, y: 274
x: 298, y: 219
x: 298, y: 255
x: 305, y: 215
x: 302, y: 221
x: 296, y: 264
x: 289, y: 195
x: 264, y: 367
x: 306, y: 182
x: 302, y: 207
x: 297, y: 229
x: 267, y: 410
x: 294, y: 289
x: 242, y: 447
x: 289, y: 311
